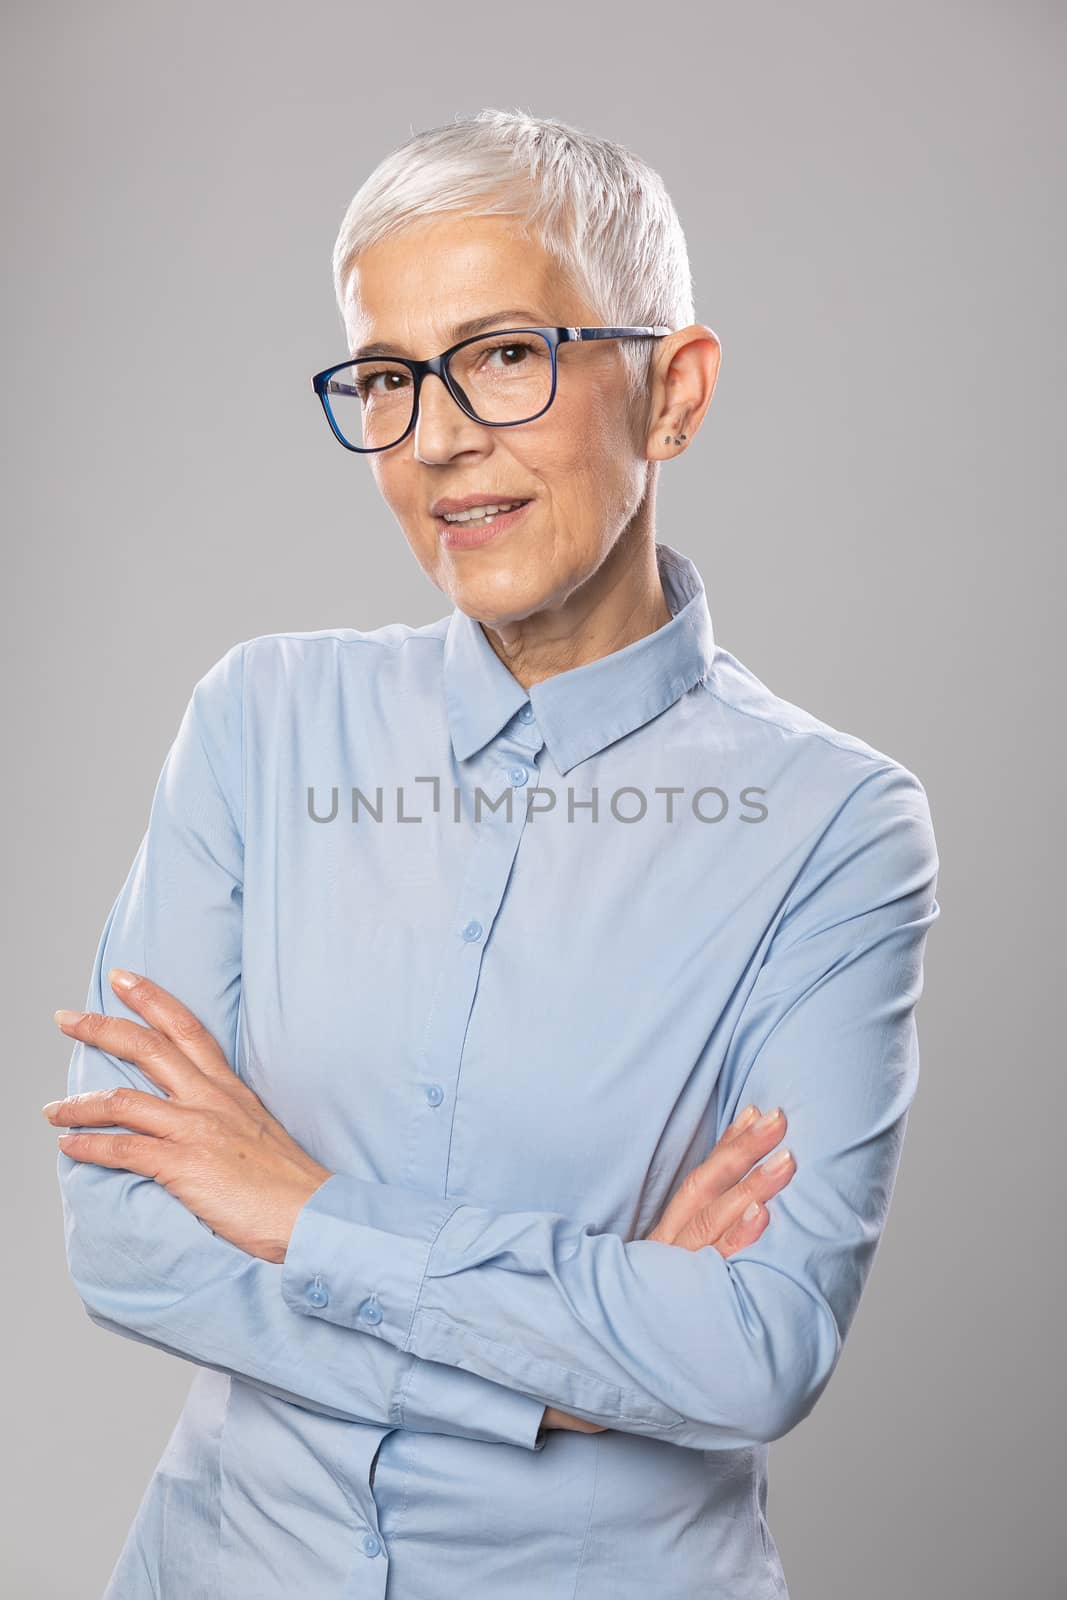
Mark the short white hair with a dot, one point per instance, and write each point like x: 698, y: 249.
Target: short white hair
x: 597, y: 208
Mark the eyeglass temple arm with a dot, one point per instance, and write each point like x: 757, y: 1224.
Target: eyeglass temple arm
x: 584, y: 334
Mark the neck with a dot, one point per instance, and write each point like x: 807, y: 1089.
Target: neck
x: 621, y: 602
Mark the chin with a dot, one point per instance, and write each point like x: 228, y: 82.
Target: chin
x: 499, y: 596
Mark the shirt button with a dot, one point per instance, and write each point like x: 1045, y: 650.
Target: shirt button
x: 435, y: 1094
x: 370, y: 1544
x: 317, y: 1294
x: 472, y: 931
x: 526, y: 714
x: 517, y: 776
x: 370, y: 1311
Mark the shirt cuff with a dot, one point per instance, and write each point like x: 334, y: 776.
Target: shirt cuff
x: 357, y: 1257
x: 495, y: 1413
x: 358, y: 1252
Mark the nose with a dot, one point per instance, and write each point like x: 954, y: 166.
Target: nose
x: 442, y: 427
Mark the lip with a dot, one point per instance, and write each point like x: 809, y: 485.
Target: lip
x: 469, y: 535
x: 469, y: 502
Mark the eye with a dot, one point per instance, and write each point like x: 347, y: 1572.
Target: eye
x: 378, y: 381
x: 516, y: 351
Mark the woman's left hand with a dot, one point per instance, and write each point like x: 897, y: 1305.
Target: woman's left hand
x: 212, y: 1143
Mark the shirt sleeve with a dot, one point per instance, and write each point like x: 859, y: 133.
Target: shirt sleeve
x: 143, y: 1264
x: 650, y: 1338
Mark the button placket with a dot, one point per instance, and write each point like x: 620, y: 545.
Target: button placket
x: 495, y: 838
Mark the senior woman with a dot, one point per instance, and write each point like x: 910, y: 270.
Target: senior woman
x: 466, y: 976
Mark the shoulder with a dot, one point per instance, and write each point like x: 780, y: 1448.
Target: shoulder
x: 301, y: 672
x: 844, y: 787
x: 299, y: 661
x: 743, y: 697
x: 357, y: 649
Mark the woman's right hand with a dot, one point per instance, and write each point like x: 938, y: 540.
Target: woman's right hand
x: 711, y: 1204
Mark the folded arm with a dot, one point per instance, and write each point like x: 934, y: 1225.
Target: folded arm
x: 645, y: 1337
x: 143, y: 1264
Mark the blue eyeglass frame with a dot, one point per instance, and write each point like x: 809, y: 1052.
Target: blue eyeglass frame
x: 438, y: 366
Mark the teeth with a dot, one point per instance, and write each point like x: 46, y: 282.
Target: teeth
x: 481, y: 513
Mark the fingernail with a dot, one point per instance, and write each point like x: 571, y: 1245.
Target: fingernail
x: 50, y: 1107
x: 768, y: 1119
x: 66, y: 1018
x: 121, y: 978
x: 780, y: 1159
x: 751, y: 1212
x: 745, y: 1118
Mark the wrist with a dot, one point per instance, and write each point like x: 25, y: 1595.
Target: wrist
x: 302, y: 1193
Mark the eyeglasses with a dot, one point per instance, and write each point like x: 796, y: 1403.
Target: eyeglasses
x: 499, y: 379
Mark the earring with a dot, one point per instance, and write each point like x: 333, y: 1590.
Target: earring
x: 680, y: 439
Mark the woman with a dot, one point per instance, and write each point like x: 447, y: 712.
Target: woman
x: 450, y: 953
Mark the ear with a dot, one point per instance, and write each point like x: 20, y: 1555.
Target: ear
x: 681, y: 383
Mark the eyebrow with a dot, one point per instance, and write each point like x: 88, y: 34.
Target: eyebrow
x: 460, y: 330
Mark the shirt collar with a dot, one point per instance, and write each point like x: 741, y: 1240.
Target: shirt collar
x: 581, y: 711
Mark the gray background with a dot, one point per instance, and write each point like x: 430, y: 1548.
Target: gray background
x: 873, y: 200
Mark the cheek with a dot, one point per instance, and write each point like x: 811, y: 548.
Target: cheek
x: 576, y: 447
x: 401, y: 494
x: 592, y: 447
x: 388, y: 480
x: 400, y: 489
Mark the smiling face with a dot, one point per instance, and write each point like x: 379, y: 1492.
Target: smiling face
x: 582, y: 465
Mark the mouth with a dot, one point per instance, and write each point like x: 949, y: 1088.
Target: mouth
x: 477, y: 526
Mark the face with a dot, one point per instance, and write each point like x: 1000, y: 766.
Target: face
x: 582, y: 466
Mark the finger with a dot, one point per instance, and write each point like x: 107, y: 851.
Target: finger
x: 129, y: 1151
x: 120, y: 1107
x: 743, y: 1120
x: 746, y: 1230
x: 171, y: 1017
x: 159, y: 1059
x: 761, y: 1185
x: 719, y: 1172
x: 715, y: 1219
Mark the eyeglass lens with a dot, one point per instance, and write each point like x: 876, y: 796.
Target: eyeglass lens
x: 503, y: 379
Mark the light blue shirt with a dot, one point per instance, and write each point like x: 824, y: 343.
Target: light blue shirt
x: 510, y: 1033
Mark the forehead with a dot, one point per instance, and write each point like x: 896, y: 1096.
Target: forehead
x: 413, y: 289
